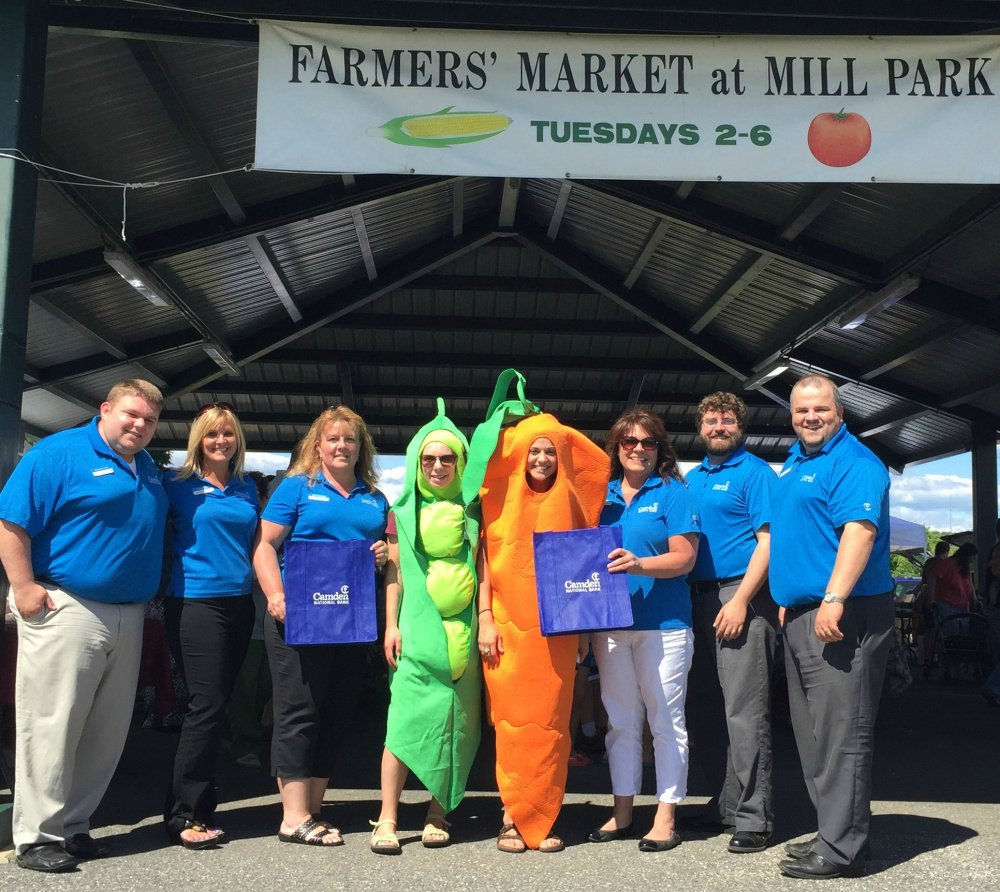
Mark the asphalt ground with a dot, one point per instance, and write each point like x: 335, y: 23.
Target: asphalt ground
x: 936, y: 822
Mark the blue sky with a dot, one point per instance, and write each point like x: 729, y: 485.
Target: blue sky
x: 937, y: 494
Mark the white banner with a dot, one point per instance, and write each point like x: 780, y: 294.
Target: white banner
x: 774, y: 109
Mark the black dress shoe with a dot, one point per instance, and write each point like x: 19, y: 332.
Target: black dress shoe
x: 84, y: 847
x: 816, y: 867
x: 657, y: 845
x: 701, y: 824
x: 48, y: 858
x: 749, y: 841
x: 801, y: 849
x: 610, y: 835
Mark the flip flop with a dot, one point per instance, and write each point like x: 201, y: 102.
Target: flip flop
x: 431, y: 829
x: 508, y: 833
x: 306, y: 834
x: 385, y: 843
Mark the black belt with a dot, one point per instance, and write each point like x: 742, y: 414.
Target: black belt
x: 711, y: 585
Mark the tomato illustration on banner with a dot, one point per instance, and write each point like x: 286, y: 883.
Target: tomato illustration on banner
x: 442, y: 129
x: 839, y: 140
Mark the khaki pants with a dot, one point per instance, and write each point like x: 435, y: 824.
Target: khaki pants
x: 77, y: 668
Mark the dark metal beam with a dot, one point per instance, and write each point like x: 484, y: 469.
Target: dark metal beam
x: 92, y: 330
x: 983, y: 204
x: 987, y: 383
x: 818, y: 200
x: 970, y: 309
x: 357, y: 216
x: 562, y: 199
x: 923, y: 339
x: 218, y: 229
x: 344, y: 301
x: 153, y: 67
x: 346, y: 385
x: 648, y: 309
x: 458, y: 207
x: 508, y: 202
x: 268, y: 264
x: 888, y: 421
x: 138, y: 352
x: 649, y: 249
x: 717, y: 304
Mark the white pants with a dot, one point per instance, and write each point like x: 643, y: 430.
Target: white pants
x: 76, y: 674
x: 644, y: 674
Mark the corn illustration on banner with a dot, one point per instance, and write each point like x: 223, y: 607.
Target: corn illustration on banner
x: 349, y: 99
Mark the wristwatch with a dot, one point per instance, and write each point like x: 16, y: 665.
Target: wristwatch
x: 831, y: 598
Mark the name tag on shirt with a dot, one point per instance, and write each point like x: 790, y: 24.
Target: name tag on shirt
x: 103, y: 472
x: 204, y: 491
x: 317, y: 498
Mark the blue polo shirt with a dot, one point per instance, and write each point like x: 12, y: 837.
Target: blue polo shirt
x: 734, y: 501
x: 96, y: 528
x: 814, y: 497
x: 659, y: 510
x: 319, y: 512
x: 213, y: 532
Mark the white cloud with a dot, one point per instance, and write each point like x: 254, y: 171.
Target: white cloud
x: 939, y: 501
x: 267, y: 462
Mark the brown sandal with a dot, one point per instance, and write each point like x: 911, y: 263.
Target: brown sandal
x: 508, y: 833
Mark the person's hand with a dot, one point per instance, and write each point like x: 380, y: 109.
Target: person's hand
x: 729, y: 623
x: 381, y: 551
x: 490, y: 642
x: 827, y: 622
x: 31, y: 598
x: 276, y: 606
x: 621, y: 560
x: 393, y: 645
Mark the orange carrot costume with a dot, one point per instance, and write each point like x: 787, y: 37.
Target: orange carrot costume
x: 530, y: 692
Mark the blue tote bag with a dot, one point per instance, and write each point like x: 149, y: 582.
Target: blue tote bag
x: 576, y: 593
x: 330, y: 592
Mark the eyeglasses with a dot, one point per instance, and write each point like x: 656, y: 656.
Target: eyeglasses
x: 224, y: 406
x: 719, y: 422
x: 647, y: 443
x: 447, y: 461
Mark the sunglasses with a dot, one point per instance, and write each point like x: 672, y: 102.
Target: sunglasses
x: 224, y: 406
x: 447, y: 461
x: 647, y: 443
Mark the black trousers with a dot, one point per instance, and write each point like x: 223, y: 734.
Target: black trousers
x: 834, y: 692
x: 208, y: 638
x: 317, y: 688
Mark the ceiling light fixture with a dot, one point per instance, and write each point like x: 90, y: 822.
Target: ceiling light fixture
x: 136, y: 276
x: 221, y: 357
x: 866, y: 307
x: 764, y: 374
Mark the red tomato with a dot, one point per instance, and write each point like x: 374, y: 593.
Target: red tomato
x: 839, y: 140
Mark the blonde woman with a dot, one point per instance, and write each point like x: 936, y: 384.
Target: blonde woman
x: 328, y: 494
x: 209, y: 615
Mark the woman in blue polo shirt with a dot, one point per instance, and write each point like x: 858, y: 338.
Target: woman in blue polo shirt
x: 210, y: 614
x: 328, y: 494
x: 644, y: 668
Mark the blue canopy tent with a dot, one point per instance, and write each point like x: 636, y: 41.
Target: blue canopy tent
x: 906, y: 537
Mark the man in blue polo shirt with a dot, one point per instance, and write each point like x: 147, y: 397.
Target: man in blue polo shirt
x: 735, y: 619
x: 830, y: 574
x: 81, y: 540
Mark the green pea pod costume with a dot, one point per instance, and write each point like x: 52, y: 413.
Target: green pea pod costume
x: 433, y: 721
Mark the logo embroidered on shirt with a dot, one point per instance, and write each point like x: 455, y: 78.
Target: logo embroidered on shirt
x: 648, y: 509
x: 722, y: 487
x: 807, y: 478
x: 868, y: 506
